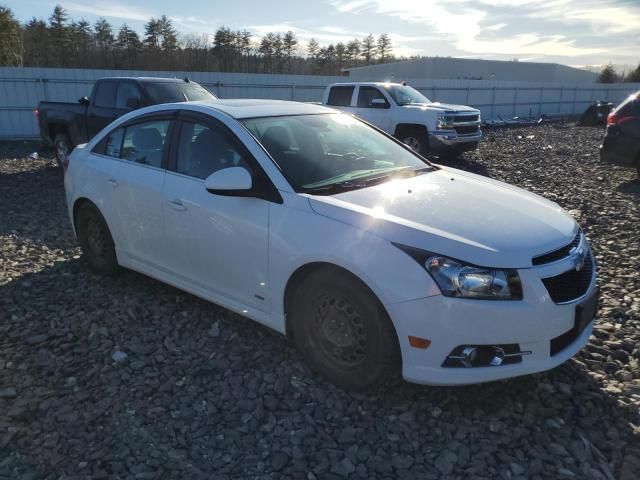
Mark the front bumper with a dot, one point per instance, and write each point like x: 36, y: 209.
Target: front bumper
x: 451, y: 322
x: 450, y: 140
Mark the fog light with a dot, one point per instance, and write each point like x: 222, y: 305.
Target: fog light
x: 470, y: 356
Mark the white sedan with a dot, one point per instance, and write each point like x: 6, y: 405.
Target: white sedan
x: 323, y: 228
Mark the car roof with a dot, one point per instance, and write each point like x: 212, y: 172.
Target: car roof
x: 365, y: 84
x: 253, y: 108
x: 150, y: 79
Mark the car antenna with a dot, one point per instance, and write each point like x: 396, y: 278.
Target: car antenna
x: 186, y: 79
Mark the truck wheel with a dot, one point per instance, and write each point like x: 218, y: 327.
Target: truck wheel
x: 63, y: 148
x: 343, y: 331
x: 95, y: 240
x: 416, y: 139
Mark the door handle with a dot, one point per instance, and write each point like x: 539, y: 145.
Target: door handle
x: 113, y: 182
x: 177, y: 204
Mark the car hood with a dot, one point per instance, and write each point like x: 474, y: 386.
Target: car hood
x: 457, y: 214
x: 443, y: 107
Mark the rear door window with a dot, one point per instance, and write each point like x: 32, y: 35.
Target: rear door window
x: 105, y: 94
x: 340, y: 96
x: 146, y: 142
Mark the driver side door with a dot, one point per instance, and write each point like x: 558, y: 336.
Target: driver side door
x: 218, y: 243
x: 373, y: 107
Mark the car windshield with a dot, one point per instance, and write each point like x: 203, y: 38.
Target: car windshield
x: 327, y: 153
x: 171, y: 92
x: 404, y: 95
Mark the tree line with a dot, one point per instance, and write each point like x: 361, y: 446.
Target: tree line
x: 62, y: 42
x: 609, y: 75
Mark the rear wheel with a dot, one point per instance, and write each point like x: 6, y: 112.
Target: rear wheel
x: 95, y: 240
x: 63, y: 149
x: 343, y: 331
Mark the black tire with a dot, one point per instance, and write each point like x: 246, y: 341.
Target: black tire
x: 415, y: 138
x: 343, y: 331
x: 63, y: 147
x: 95, y: 240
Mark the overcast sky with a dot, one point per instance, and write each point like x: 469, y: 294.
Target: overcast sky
x: 573, y: 32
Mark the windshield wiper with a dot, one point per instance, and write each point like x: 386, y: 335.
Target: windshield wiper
x: 332, y: 188
x: 364, y: 181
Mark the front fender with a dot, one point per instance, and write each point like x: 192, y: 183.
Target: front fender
x: 299, y: 236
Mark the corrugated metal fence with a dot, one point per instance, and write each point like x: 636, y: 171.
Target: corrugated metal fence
x: 22, y: 88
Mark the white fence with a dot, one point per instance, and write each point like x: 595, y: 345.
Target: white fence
x: 22, y: 88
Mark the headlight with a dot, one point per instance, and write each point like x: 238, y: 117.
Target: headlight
x: 445, y: 122
x: 458, y: 280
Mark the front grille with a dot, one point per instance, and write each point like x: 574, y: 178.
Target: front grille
x: 466, y: 118
x: 570, y: 285
x: 467, y: 129
x: 556, y: 254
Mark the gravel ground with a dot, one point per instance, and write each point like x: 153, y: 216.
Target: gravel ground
x: 124, y: 377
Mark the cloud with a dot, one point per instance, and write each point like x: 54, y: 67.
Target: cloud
x: 496, y: 27
x: 602, y: 17
x: 113, y: 10
x: 461, y: 22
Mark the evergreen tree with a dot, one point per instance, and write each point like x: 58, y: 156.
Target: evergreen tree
x: 152, y: 35
x: 633, y: 75
x: 353, y: 52
x: 10, y: 41
x: 36, y: 43
x: 128, y: 46
x: 289, y: 43
x: 367, y: 49
x: 608, y: 75
x: 81, y: 42
x: 60, y: 35
x: 384, y: 47
x: 168, y: 34
x: 104, y: 42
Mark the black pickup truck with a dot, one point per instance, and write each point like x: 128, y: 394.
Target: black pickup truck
x: 66, y: 125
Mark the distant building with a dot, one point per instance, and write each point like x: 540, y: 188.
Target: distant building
x: 471, y: 69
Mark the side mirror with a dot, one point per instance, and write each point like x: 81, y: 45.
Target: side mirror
x: 132, y: 103
x: 83, y: 100
x: 232, y: 181
x: 379, y: 103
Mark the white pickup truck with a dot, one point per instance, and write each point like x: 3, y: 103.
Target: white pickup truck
x: 427, y: 127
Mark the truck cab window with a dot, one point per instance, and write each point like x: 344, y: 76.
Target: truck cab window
x: 126, y: 91
x: 367, y: 95
x: 105, y: 95
x: 340, y: 96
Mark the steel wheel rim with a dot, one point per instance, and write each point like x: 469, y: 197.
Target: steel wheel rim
x: 339, y: 330
x: 62, y: 150
x: 96, y: 238
x: 413, y: 143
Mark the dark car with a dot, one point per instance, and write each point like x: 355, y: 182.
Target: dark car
x: 621, y: 144
x: 66, y: 125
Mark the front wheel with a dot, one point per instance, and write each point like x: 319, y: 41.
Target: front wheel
x: 343, y: 331
x: 63, y: 149
x: 416, y: 139
x: 95, y: 240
